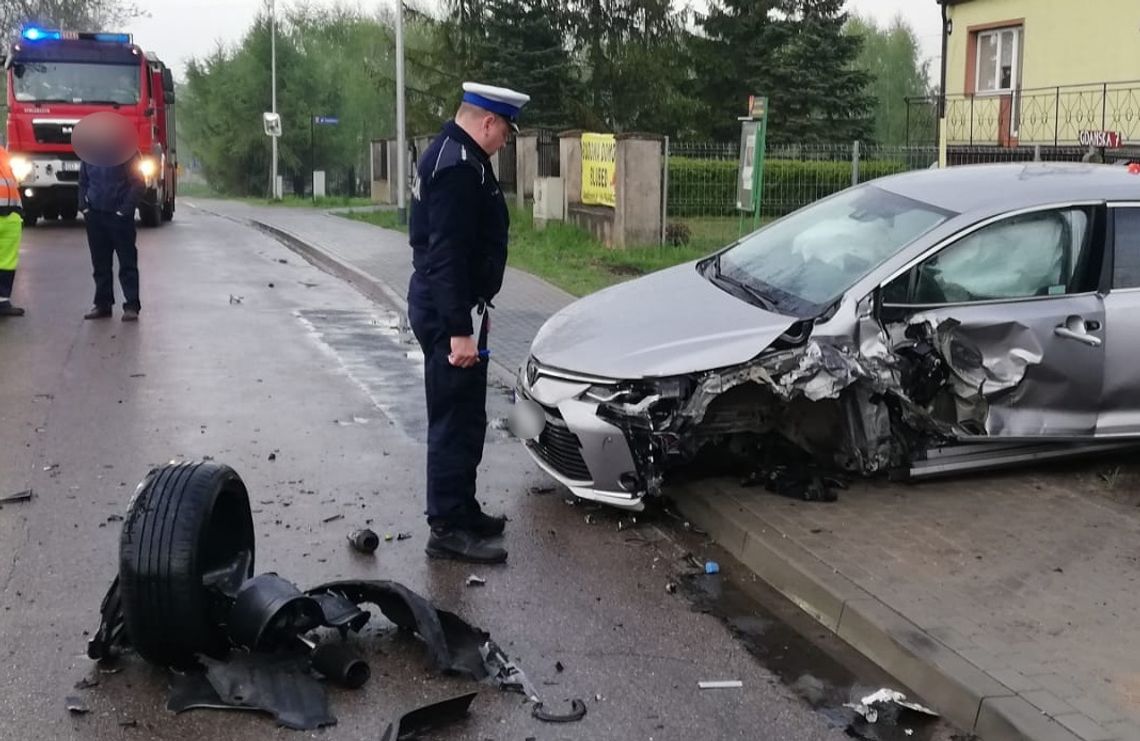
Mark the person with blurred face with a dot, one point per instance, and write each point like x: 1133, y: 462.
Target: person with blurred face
x: 111, y: 184
x: 458, y: 232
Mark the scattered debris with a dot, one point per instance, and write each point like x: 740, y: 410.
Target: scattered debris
x: 558, y: 667
x: 138, y: 375
x: 114, y: 518
x: 333, y: 518
x: 87, y: 683
x: 712, y: 567
x: 475, y: 581
x: 283, y: 261
x: 589, y: 519
x: 403, y: 536
x: 21, y: 496
x: 271, y: 285
x: 721, y: 684
x: 76, y: 705
x: 235, y: 299
x: 428, y: 718
x: 364, y: 540
x: 128, y: 723
x: 804, y: 482
x: 577, y: 713
x: 671, y: 588
x: 272, y: 456
x: 884, y: 704
x: 542, y: 490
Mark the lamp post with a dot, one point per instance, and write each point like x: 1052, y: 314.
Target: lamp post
x: 273, y: 102
x: 401, y: 134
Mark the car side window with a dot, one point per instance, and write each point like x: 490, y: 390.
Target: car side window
x: 1035, y: 254
x: 1126, y: 254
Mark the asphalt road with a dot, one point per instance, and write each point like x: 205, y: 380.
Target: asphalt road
x: 243, y: 351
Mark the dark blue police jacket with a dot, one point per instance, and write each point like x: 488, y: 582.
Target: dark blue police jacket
x: 457, y: 229
x: 111, y: 189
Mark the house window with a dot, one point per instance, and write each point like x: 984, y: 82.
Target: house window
x: 999, y: 60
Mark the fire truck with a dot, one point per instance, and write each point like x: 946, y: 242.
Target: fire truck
x: 55, y: 78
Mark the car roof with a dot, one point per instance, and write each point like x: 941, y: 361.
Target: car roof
x: 993, y: 189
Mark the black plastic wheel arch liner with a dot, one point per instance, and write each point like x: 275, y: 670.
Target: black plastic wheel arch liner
x: 452, y: 642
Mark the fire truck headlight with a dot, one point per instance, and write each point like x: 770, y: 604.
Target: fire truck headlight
x: 21, y: 167
x: 148, y: 167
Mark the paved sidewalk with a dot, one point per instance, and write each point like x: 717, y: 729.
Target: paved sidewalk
x: 1010, y: 602
x: 384, y: 255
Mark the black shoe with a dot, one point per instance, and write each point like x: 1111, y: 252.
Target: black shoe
x: 98, y: 312
x: 463, y: 545
x: 7, y: 309
x: 485, y: 525
x: 130, y: 315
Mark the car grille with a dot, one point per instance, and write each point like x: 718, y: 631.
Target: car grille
x: 560, y: 448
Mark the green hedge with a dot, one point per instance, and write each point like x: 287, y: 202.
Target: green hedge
x: 699, y: 187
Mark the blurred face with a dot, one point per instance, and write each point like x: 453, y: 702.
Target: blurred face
x: 105, y: 139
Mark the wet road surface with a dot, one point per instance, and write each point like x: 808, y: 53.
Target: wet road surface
x: 248, y: 355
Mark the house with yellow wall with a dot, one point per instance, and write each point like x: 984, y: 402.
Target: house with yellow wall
x: 1042, y: 73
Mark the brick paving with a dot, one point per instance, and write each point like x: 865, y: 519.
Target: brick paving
x: 1031, y: 577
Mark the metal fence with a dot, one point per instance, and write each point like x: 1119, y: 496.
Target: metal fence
x: 1052, y: 116
x: 506, y: 171
x: 701, y: 204
x: 549, y: 165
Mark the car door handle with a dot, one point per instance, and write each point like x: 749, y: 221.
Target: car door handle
x: 1071, y: 334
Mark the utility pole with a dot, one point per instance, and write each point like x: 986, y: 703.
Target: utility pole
x: 273, y: 103
x: 401, y: 134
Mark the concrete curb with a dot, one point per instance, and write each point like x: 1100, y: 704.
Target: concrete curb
x: 963, y: 693
x: 369, y: 285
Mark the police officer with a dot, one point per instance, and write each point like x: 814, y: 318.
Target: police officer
x: 458, y: 233
x: 11, y: 226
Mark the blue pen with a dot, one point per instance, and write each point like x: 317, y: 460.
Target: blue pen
x: 484, y: 354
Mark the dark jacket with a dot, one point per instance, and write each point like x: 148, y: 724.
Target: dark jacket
x: 458, y: 229
x: 111, y: 190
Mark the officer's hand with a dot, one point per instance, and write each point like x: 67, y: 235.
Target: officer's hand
x: 464, y: 352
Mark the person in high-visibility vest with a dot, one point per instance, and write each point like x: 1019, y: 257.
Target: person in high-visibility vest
x: 11, y: 227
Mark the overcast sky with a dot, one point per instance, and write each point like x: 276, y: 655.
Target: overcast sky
x: 180, y: 29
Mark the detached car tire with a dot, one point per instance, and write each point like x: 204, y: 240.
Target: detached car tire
x: 186, y: 520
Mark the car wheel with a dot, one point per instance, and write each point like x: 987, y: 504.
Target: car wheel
x: 188, y: 527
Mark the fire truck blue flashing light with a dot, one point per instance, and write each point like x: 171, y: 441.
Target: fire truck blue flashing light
x: 116, y: 38
x: 38, y: 34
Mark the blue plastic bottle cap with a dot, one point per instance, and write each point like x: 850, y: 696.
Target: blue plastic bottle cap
x: 712, y: 567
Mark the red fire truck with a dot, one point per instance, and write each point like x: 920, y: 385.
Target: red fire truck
x: 55, y: 78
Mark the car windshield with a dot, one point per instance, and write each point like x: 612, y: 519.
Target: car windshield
x: 74, y: 82
x: 814, y: 255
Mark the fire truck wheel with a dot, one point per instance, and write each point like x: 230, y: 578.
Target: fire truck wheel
x: 150, y: 214
x: 188, y: 523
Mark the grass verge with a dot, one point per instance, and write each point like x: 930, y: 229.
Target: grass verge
x: 567, y: 256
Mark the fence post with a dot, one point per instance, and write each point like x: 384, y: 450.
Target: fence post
x: 855, y: 163
x: 1036, y: 152
x: 665, y: 190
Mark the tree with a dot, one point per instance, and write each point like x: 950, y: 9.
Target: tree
x: 795, y: 53
x: 81, y: 15
x: 734, y: 58
x: 891, y: 56
x: 522, y: 45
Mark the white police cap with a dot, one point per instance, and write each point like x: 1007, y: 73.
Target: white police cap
x: 503, y: 101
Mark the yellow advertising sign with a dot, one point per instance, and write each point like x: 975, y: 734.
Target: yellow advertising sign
x: 598, y: 166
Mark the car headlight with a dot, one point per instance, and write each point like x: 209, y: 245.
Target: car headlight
x: 148, y: 167
x: 21, y: 167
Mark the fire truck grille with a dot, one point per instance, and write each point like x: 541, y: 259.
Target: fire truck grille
x: 52, y: 133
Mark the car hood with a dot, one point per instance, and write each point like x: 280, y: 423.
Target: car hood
x: 667, y: 323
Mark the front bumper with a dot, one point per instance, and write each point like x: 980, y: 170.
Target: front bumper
x: 583, y: 452
x: 53, y: 181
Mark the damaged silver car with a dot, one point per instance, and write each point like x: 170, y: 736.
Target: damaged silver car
x: 914, y: 323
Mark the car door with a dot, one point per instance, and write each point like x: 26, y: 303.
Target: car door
x: 1120, y: 398
x: 1011, y: 308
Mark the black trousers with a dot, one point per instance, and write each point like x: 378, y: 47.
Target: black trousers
x: 457, y: 418
x: 109, y: 235
x: 7, y: 279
